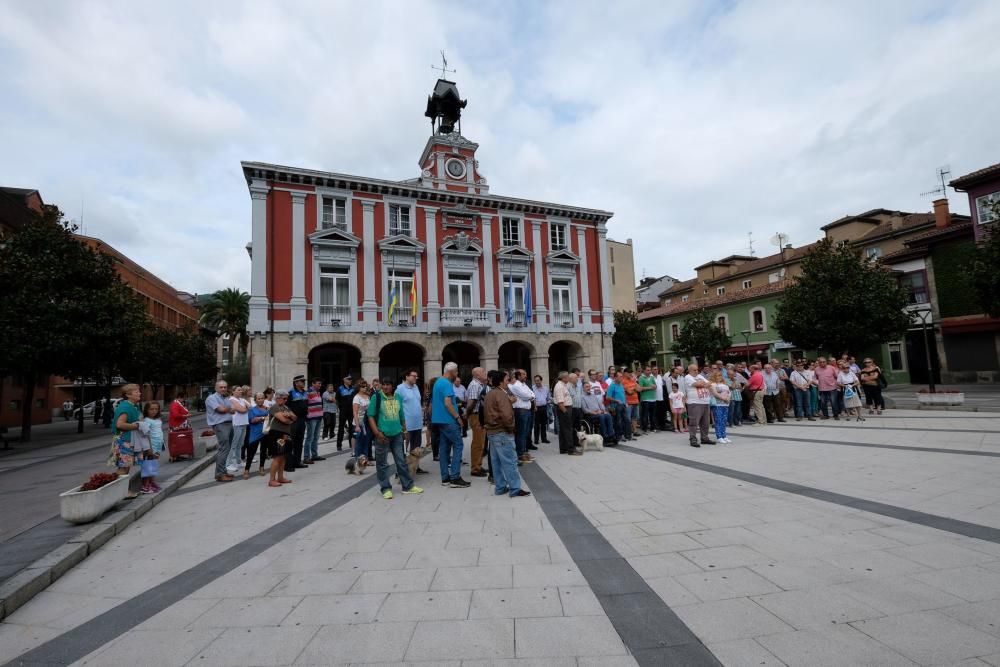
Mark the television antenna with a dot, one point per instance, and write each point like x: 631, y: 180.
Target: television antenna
x: 780, y: 239
x: 750, y: 242
x: 941, y: 190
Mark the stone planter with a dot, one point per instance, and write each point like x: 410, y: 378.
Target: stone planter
x: 941, y: 399
x: 84, y: 506
x: 206, y: 443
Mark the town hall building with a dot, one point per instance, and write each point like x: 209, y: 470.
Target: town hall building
x: 353, y: 275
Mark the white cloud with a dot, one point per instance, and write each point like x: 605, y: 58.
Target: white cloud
x: 694, y: 122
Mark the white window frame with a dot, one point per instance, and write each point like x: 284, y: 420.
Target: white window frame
x: 981, y: 203
x: 410, y: 218
x: 901, y: 349
x: 462, y: 280
x: 403, y: 278
x: 652, y: 332
x: 725, y: 323
x: 684, y: 299
x: 519, y: 284
x: 672, y: 325
x: 565, y: 287
x: 747, y: 284
x: 873, y: 252
x: 333, y: 223
x: 321, y: 193
x: 352, y: 296
x: 556, y: 228
x: 519, y: 221
x: 763, y: 319
x: 720, y: 291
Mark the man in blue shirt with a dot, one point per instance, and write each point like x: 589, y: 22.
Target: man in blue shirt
x: 298, y: 403
x: 219, y: 416
x: 445, y: 415
x: 408, y: 392
x: 618, y: 408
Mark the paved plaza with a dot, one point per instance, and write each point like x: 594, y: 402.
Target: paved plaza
x: 798, y: 544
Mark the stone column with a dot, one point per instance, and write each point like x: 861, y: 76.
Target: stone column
x: 581, y: 242
x: 541, y: 322
x: 433, y: 305
x: 488, y: 264
x: 369, y: 368
x: 432, y: 368
x: 540, y: 366
x: 369, y: 308
x: 489, y: 361
x: 258, y: 261
x: 298, y: 301
x: 607, y: 314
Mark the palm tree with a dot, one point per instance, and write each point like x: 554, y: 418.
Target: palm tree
x: 227, y: 312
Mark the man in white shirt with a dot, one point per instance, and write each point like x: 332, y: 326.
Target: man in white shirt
x: 525, y: 398
x: 564, y: 413
x: 698, y: 398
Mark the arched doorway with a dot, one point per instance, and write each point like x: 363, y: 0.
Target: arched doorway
x: 463, y: 353
x: 333, y: 362
x: 564, y: 355
x: 515, y: 354
x: 396, y: 358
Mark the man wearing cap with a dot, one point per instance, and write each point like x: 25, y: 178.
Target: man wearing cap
x: 298, y: 403
x: 345, y: 398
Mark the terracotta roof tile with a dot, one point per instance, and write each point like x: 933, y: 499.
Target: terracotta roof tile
x: 982, y: 174
x: 791, y: 255
x: 680, y: 287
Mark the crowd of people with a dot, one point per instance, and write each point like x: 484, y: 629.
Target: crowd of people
x: 508, y: 414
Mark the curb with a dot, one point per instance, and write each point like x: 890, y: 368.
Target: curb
x: 37, y: 576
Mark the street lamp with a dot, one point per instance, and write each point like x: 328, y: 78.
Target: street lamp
x: 746, y: 339
x: 924, y: 314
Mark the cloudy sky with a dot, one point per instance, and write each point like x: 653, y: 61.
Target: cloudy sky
x: 695, y: 122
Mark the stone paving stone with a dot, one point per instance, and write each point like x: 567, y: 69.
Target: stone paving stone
x: 557, y: 574
x: 489, y: 639
x: 661, y: 544
x: 394, y: 581
x: 154, y: 647
x: 803, y: 573
x: 472, y: 578
x: 723, y: 620
x: 670, y: 525
x: 16, y: 639
x: 61, y: 611
x: 378, y: 560
x: 724, y: 584
x: 983, y: 616
x: 672, y: 592
x: 247, y: 613
x: 813, y: 607
x: 521, y: 662
x: 236, y: 647
x: 372, y: 642
x: 784, y: 529
x: 624, y: 517
x: 838, y: 646
x: 898, y: 595
x: 974, y: 584
x: 426, y: 606
x: 743, y: 653
x: 424, y: 558
x: 662, y: 565
x: 579, y: 601
x: 602, y: 661
x: 335, y: 609
x: 929, y: 637
x: 725, y: 557
x: 869, y: 564
x: 561, y: 637
x: 456, y: 527
x: 481, y: 540
x: 514, y: 555
x: 316, y: 583
x: 516, y: 603
x: 941, y: 555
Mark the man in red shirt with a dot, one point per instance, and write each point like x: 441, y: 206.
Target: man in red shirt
x: 755, y: 386
x: 829, y: 393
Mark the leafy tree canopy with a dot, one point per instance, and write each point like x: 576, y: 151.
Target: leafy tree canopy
x: 985, y: 274
x: 842, y: 302
x: 700, y: 336
x: 228, y: 312
x: 631, y: 340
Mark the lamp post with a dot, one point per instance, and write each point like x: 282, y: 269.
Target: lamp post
x: 746, y: 339
x: 924, y: 314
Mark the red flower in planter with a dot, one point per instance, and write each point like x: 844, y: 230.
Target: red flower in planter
x: 207, y: 433
x: 98, y: 480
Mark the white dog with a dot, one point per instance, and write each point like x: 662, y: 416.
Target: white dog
x: 593, y: 441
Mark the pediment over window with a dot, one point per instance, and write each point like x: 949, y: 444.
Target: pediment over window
x: 514, y: 258
x: 334, y: 237
x: 562, y: 257
x: 461, y: 244
x: 401, y: 244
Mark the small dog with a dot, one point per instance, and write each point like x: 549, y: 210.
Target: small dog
x: 356, y: 465
x: 413, y: 459
x: 593, y: 441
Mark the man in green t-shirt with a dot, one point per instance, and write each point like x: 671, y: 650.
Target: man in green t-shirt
x: 647, y: 401
x: 385, y: 417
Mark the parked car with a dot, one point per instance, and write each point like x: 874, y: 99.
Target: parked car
x: 88, y: 409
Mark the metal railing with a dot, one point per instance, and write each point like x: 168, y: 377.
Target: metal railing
x: 402, y: 319
x: 563, y: 318
x: 470, y: 316
x: 519, y: 320
x: 336, y: 316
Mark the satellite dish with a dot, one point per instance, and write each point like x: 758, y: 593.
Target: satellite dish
x: 780, y: 239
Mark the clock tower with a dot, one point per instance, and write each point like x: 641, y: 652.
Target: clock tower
x: 448, y: 161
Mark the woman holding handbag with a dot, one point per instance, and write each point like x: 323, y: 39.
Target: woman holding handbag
x: 872, y: 381
x: 850, y: 386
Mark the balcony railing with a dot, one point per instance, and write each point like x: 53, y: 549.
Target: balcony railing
x: 402, y: 320
x: 563, y: 318
x: 466, y: 318
x: 334, y: 316
x: 518, y: 320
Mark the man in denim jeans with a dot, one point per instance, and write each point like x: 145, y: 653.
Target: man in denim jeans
x: 498, y: 417
x: 386, y: 419
x: 446, y: 417
x: 219, y: 416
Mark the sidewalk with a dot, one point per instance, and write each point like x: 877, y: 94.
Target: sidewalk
x: 978, y: 397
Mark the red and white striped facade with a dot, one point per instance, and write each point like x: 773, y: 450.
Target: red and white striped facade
x: 327, y: 249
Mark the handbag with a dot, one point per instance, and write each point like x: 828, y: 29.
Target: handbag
x: 849, y: 392
x: 882, y: 382
x: 267, y: 425
x: 150, y: 467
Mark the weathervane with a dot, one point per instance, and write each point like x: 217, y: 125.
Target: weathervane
x: 444, y: 66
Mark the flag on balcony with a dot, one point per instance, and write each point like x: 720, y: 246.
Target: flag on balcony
x: 393, y: 301
x: 527, y: 300
x: 413, y: 296
x: 510, y: 299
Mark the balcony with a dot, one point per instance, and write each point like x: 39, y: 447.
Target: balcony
x: 565, y: 319
x: 334, y: 316
x: 519, y: 320
x: 402, y: 320
x: 466, y: 319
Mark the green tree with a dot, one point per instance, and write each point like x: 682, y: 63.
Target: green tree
x: 842, y: 302
x: 700, y: 336
x: 63, y: 308
x: 237, y: 372
x: 631, y: 340
x: 985, y: 276
x: 228, y: 312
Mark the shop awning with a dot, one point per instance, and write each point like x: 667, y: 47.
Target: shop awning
x: 743, y: 350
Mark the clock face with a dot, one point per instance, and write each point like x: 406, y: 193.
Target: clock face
x: 456, y: 168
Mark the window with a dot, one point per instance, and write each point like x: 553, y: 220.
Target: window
x: 775, y: 277
x: 841, y: 244
x: 557, y: 237
x: 560, y: 297
x: 510, y: 231
x: 334, y: 213
x: 399, y: 220
x: 873, y: 253
x: 720, y: 291
x: 985, y: 208
x: 675, y: 331
x: 746, y: 284
x: 916, y: 283
x: 401, y: 282
x: 226, y: 346
x: 518, y: 305
x: 723, y: 323
x: 677, y: 362
x: 684, y: 299
x: 757, y: 319
x: 895, y: 356
x: 334, y: 287
x: 460, y: 291
x: 667, y: 302
x: 612, y: 275
x: 652, y: 333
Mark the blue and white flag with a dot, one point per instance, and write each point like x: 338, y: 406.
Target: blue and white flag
x: 527, y: 300
x: 510, y: 299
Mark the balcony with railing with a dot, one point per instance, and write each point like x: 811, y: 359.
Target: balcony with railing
x: 518, y: 320
x: 402, y: 320
x: 466, y: 319
x: 334, y: 316
x: 564, y: 319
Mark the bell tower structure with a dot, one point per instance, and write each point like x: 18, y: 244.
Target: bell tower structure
x: 448, y: 161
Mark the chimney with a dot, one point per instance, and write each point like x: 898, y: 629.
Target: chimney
x: 942, y: 216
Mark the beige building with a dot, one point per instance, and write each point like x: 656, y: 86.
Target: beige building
x: 621, y: 267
